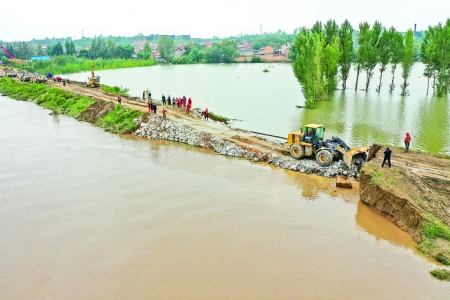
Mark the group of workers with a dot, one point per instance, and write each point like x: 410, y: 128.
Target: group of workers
x: 59, y: 79
x: 183, y: 102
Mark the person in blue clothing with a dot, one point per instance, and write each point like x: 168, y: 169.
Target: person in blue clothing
x: 387, y: 157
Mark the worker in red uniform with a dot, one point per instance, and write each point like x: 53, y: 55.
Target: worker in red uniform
x: 149, y: 105
x: 407, y: 140
x: 206, y: 114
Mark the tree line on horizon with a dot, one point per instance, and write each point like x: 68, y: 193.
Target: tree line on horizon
x: 324, y: 54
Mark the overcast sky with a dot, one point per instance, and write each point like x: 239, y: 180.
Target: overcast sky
x: 28, y: 19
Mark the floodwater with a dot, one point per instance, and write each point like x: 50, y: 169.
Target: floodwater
x: 85, y: 214
x: 266, y: 102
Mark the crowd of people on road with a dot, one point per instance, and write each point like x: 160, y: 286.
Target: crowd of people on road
x: 181, y: 102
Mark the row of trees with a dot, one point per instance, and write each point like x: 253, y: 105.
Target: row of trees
x: 435, y: 54
x: 100, y: 48
x: 323, y: 51
x: 20, y: 50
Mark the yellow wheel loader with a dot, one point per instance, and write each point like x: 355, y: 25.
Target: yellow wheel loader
x: 310, y: 141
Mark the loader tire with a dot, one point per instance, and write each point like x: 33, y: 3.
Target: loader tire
x: 297, y: 151
x: 324, y: 158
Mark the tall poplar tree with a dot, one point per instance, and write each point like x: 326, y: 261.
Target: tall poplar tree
x: 408, y: 60
x: 347, y: 52
x: 330, y: 63
x: 304, y: 66
x: 383, y: 54
x: 362, y: 41
x: 441, y: 49
x: 427, y: 57
x: 307, y: 66
x: 370, y: 52
x: 396, y: 53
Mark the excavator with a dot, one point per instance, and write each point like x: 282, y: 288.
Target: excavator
x: 94, y: 81
x: 310, y: 141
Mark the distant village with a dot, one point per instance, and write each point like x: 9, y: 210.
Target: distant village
x: 245, y: 49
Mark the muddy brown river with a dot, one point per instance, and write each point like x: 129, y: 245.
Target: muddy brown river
x: 85, y: 214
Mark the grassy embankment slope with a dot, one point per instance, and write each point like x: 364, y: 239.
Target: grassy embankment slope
x: 111, y: 117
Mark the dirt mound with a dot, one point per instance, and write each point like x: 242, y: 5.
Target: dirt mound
x: 96, y: 111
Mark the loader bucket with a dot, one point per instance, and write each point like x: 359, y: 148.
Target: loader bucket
x: 356, y: 157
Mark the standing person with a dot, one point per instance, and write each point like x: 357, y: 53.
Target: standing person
x: 173, y: 102
x: 407, y: 140
x: 164, y: 111
x: 149, y: 105
x: 206, y: 114
x: 119, y: 99
x: 68, y: 80
x: 189, y: 102
x: 143, y: 96
x: 184, y: 101
x: 163, y: 98
x: 168, y: 100
x: 150, y: 95
x: 387, y: 157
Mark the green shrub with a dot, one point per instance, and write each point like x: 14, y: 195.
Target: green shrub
x: 256, y: 59
x: 114, y: 90
x: 441, y: 274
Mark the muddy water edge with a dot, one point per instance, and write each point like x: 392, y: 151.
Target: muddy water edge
x: 87, y: 214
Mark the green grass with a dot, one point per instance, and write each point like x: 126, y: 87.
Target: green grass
x: 59, y: 101
x: 441, y: 274
x: 435, y: 239
x: 434, y: 228
x: 120, y: 120
x: 375, y: 177
x: 114, y: 90
x: 218, y: 117
x: 71, y: 64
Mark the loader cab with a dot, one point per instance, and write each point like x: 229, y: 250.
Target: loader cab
x: 313, y: 133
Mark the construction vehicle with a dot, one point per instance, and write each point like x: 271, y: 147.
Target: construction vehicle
x: 310, y: 141
x: 38, y: 78
x: 25, y: 76
x: 94, y: 81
